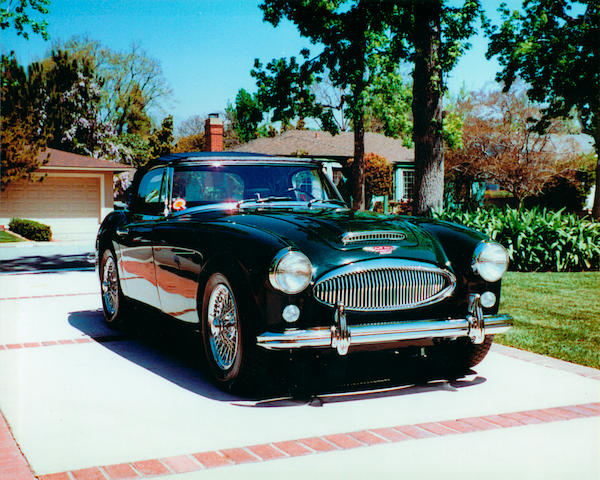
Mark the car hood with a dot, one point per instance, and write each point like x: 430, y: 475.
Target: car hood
x: 319, y: 234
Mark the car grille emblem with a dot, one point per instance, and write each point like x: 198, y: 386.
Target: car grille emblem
x: 380, y: 249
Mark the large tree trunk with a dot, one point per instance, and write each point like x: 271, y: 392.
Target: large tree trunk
x: 358, y: 165
x: 427, y: 108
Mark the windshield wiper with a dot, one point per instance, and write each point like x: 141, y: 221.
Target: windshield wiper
x: 263, y: 200
x: 329, y: 200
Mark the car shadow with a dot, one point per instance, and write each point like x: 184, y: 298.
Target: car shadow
x: 175, y: 353
x: 37, y: 263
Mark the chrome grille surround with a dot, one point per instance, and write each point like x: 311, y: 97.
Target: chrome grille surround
x: 383, y: 285
x: 373, y: 236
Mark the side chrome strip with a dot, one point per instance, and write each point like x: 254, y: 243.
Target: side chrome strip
x: 381, y: 333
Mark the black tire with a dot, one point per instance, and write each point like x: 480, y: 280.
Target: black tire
x: 114, y: 303
x: 234, y: 360
x: 460, y: 355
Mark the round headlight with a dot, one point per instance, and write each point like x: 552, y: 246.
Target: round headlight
x: 291, y: 272
x: 490, y: 260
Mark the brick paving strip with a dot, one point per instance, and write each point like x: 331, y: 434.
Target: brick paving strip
x: 34, y: 297
x: 303, y: 446
x: 66, y: 341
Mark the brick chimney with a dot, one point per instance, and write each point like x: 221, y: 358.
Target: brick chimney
x: 213, y: 133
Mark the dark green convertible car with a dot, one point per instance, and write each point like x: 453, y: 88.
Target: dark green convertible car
x: 261, y: 254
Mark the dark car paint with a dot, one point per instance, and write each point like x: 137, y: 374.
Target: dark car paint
x: 165, y: 261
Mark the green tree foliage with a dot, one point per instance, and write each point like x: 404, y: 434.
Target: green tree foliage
x: 60, y: 100
x: 431, y: 34
x: 134, y: 85
x: 22, y: 139
x: 350, y: 34
x: 161, y: 140
x: 19, y: 14
x: 138, y: 148
x: 555, y: 47
x: 364, y: 40
x: 388, y: 110
x: 246, y: 114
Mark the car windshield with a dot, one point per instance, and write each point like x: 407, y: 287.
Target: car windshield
x: 206, y: 184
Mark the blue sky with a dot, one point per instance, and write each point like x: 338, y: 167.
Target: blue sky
x: 206, y: 47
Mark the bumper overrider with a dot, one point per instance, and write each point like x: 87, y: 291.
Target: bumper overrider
x: 341, y: 336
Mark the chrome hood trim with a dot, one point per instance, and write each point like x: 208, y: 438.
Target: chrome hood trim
x: 373, y: 236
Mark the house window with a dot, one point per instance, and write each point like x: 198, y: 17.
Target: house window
x: 405, y: 181
x: 408, y: 183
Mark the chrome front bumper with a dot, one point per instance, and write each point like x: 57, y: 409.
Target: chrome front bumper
x: 341, y: 336
x: 381, y: 333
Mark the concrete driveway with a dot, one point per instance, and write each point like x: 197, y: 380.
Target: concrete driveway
x: 82, y: 401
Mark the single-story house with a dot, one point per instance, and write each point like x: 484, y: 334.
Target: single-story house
x: 73, y: 198
x: 339, y: 148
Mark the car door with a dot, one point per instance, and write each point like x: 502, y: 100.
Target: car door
x: 138, y: 272
x: 177, y: 260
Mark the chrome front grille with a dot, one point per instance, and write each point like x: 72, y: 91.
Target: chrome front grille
x: 384, y: 285
x: 373, y: 236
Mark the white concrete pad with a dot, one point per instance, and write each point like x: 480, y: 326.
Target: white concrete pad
x: 557, y: 451
x: 77, y: 406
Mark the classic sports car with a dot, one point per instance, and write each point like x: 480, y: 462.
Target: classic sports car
x: 262, y: 254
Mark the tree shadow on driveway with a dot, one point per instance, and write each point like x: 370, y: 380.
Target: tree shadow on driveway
x: 175, y: 353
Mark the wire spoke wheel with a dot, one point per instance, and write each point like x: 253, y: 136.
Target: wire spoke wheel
x: 223, y: 326
x: 110, y: 287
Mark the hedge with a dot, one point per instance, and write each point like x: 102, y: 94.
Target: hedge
x: 537, y: 239
x: 30, y: 229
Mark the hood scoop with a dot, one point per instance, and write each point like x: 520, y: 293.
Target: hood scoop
x: 373, y: 236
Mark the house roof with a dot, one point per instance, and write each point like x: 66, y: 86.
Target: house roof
x: 60, y: 160
x: 310, y: 143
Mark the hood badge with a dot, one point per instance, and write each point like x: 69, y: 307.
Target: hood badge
x: 380, y: 249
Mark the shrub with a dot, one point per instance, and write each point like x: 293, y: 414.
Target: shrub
x: 30, y: 229
x: 537, y: 239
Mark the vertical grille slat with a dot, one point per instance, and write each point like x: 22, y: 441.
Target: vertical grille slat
x: 375, y: 287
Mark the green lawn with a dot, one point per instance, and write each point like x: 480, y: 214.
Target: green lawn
x: 6, y: 237
x: 556, y: 314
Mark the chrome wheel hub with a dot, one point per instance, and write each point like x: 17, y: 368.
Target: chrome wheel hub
x: 223, y: 326
x: 110, y: 287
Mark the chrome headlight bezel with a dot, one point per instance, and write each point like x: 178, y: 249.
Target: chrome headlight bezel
x: 290, y: 272
x: 490, y: 261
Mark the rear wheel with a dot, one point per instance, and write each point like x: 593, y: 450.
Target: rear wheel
x: 114, y: 302
x: 232, y: 355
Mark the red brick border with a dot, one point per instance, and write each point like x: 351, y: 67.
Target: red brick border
x: 66, y: 341
x: 13, y: 465
x: 326, y: 443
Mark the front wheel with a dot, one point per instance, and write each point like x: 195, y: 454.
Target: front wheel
x: 461, y: 354
x: 113, y: 300
x: 232, y: 356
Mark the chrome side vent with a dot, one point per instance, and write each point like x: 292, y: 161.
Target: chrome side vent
x: 373, y: 236
x: 385, y: 285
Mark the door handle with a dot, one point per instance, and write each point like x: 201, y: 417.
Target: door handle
x: 122, y: 231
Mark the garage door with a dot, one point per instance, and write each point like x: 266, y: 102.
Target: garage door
x: 67, y: 204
